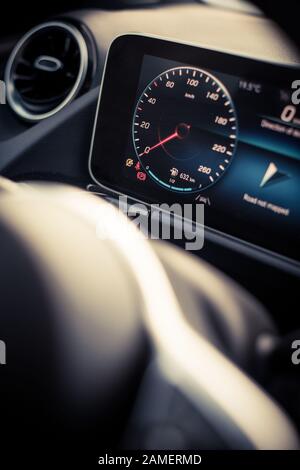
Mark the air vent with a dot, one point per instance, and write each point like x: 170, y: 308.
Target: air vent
x: 46, y: 70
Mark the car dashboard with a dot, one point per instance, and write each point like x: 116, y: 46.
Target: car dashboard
x: 168, y: 68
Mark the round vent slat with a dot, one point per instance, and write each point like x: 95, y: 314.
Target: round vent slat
x: 46, y: 70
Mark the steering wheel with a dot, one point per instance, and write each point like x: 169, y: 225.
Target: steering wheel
x: 110, y: 336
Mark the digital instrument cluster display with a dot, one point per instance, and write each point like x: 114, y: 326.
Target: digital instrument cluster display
x: 184, y: 128
x: 177, y: 123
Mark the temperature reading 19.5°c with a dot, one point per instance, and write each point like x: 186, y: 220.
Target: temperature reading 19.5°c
x: 185, y: 129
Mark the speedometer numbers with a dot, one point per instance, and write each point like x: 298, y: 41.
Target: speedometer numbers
x: 185, y: 129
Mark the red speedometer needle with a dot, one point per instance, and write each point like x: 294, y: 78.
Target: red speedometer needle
x: 162, y: 142
x: 181, y: 132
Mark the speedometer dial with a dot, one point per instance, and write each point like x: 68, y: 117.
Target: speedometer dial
x: 185, y: 129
